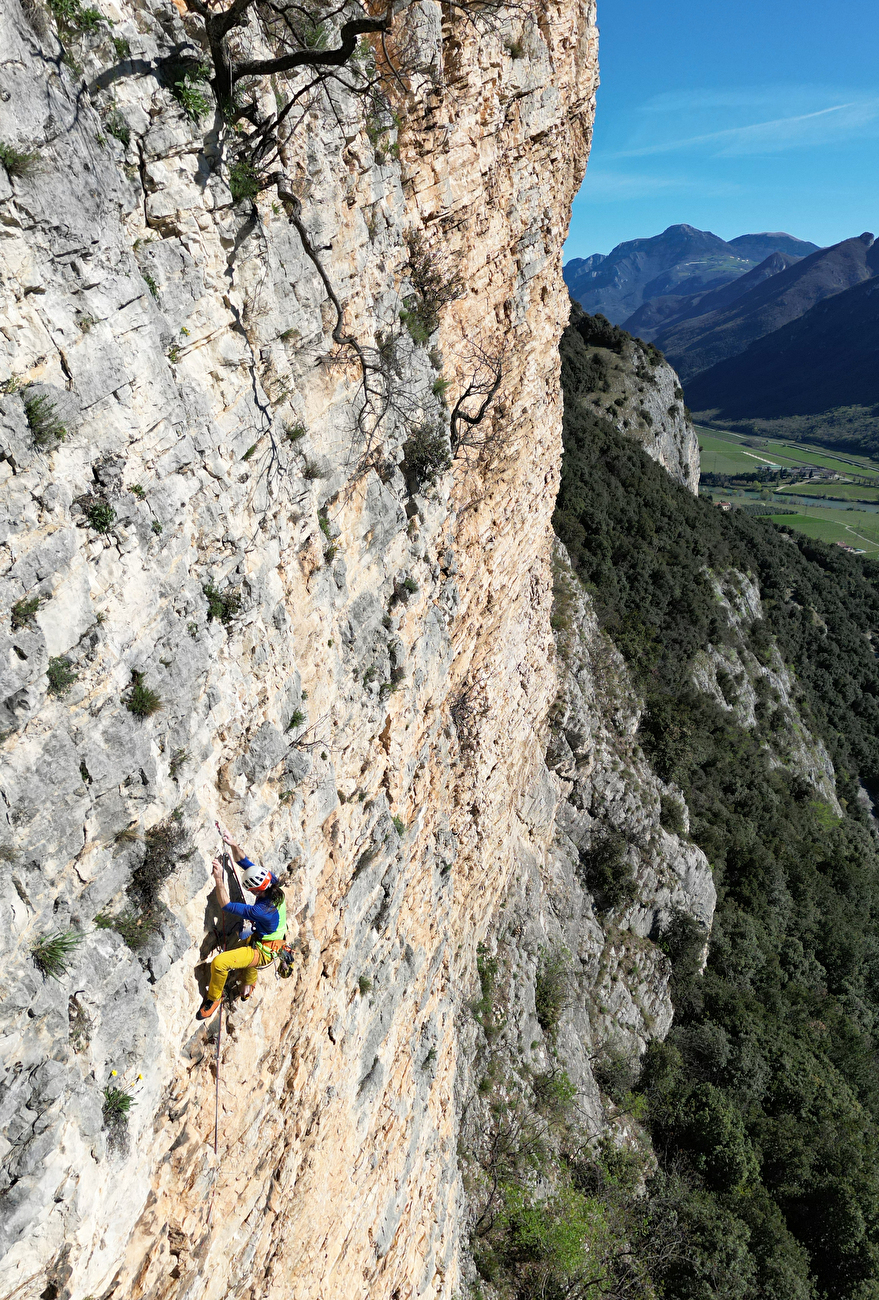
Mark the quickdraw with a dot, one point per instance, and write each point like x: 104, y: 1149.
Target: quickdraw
x: 284, y: 968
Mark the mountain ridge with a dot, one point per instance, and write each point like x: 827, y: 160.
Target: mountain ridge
x: 681, y: 260
x: 825, y: 360
x: 701, y: 342
x: 662, y: 313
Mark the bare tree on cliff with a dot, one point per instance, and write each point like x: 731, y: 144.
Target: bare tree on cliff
x: 369, y: 55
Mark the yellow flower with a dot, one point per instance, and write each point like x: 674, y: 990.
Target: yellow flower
x: 114, y: 1073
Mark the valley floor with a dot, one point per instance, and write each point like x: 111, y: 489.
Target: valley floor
x: 796, y: 478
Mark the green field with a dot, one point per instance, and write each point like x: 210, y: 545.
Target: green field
x: 724, y: 453
x: 723, y: 456
x: 860, y: 531
x: 841, y: 461
x: 821, y: 459
x: 834, y: 491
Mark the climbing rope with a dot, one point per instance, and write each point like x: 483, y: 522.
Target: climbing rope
x: 228, y: 865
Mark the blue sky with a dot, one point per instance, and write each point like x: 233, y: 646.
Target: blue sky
x: 733, y: 117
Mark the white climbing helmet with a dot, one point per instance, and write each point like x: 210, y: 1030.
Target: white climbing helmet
x: 256, y: 879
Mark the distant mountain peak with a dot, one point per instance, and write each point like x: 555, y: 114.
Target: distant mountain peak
x: 682, y: 260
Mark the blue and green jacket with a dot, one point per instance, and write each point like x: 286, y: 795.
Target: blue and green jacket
x: 263, y: 917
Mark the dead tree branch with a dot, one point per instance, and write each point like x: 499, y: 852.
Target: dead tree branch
x: 471, y: 408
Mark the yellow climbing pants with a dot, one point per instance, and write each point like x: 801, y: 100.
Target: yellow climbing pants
x: 242, y: 957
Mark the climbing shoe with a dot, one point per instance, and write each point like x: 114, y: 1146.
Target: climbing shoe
x: 207, y: 1009
x: 247, y: 992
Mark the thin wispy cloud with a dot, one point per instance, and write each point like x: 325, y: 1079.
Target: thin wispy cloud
x: 796, y: 131
x: 783, y: 99
x: 612, y: 186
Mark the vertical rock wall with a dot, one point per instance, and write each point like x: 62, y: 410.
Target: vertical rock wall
x: 180, y: 338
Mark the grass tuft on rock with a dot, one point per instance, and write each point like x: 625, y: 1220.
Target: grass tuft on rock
x: 141, y: 699
x: 135, y: 928
x: 119, y: 128
x: 23, y: 611
x: 117, y: 1104
x: 53, y: 954
x: 18, y: 162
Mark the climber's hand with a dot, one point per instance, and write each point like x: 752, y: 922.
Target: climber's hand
x: 217, y: 870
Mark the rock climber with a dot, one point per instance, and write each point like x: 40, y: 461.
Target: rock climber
x: 262, y: 935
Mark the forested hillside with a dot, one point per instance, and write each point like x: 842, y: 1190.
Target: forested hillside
x: 763, y: 1102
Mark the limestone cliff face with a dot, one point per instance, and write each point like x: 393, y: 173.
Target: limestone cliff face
x: 183, y: 341
x: 749, y: 688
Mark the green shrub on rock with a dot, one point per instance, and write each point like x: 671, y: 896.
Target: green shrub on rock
x: 141, y: 699
x: 552, y: 989
x: 244, y: 180
x: 426, y: 455
x: 222, y: 605
x: 61, y: 675
x: 605, y: 871
x: 43, y: 420
x: 100, y: 514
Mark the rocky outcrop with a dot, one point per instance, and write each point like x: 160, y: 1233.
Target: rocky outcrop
x: 629, y: 383
x: 763, y: 689
x: 220, y: 602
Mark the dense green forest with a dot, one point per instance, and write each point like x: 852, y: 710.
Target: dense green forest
x: 763, y: 1103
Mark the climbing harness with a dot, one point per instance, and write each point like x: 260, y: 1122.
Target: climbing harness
x: 270, y: 945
